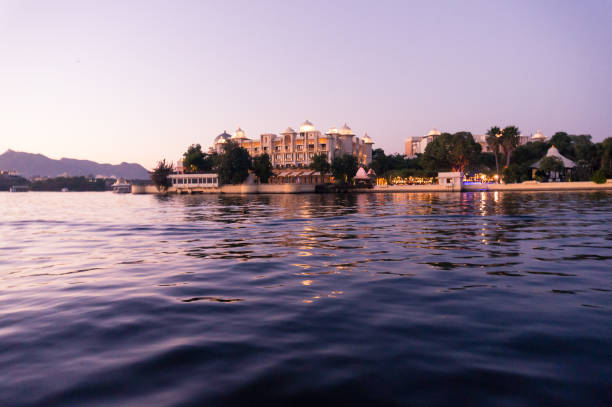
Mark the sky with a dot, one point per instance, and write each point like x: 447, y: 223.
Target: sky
x: 138, y: 81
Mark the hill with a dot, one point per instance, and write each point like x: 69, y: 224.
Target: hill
x: 31, y: 165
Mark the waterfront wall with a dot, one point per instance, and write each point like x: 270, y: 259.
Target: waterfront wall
x: 415, y: 188
x: 232, y: 189
x: 301, y: 188
x: 540, y: 186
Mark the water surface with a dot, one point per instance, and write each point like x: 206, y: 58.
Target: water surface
x: 396, y: 299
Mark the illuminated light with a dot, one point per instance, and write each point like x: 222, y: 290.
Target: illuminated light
x: 307, y: 301
x: 304, y: 254
x: 307, y: 282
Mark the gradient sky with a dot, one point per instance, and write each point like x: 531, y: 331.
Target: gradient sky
x: 138, y: 81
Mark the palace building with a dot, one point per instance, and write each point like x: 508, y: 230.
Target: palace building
x: 292, y: 148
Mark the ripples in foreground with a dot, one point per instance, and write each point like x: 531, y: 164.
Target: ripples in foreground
x: 389, y: 299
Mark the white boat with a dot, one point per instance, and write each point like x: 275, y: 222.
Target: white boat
x: 121, y: 186
x: 65, y: 189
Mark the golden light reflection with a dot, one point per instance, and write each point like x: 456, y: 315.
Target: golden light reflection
x: 306, y: 282
x: 304, y: 254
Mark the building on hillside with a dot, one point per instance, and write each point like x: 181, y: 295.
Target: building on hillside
x: 296, y: 148
x: 417, y: 145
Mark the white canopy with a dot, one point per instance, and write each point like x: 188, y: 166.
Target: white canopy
x: 361, y: 174
x: 553, y: 152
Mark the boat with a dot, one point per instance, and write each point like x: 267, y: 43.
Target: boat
x: 121, y: 186
x: 65, y: 189
x: 19, y: 188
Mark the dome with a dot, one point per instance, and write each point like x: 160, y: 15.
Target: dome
x: 346, y: 131
x: 538, y: 136
x: 433, y: 132
x: 223, y: 136
x: 306, y: 127
x: 366, y: 139
x: 239, y: 134
x: 333, y: 130
x: 288, y: 130
x: 221, y: 141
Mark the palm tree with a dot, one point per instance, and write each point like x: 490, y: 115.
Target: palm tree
x: 509, y: 141
x: 493, y: 142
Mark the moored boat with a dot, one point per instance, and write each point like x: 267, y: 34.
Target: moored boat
x: 121, y: 186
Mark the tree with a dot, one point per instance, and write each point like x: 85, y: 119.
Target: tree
x: 262, y: 167
x: 509, y: 141
x: 493, y: 141
x: 606, y: 156
x: 464, y: 151
x: 455, y: 152
x: 195, y: 160
x: 551, y: 164
x: 319, y: 163
x: 344, y: 168
x: 599, y: 177
x: 234, y: 163
x: 160, y: 174
x: 563, y: 142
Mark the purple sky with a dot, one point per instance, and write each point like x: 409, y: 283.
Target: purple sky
x: 138, y: 81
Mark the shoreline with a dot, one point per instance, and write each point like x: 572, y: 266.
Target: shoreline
x: 302, y: 189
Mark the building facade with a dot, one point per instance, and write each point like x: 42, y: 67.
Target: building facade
x: 293, y: 148
x: 417, y: 145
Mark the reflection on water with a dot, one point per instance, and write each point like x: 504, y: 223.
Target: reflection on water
x: 420, y: 298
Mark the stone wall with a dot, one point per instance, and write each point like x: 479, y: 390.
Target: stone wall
x: 540, y: 186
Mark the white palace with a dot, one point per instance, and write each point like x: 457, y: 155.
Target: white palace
x: 293, y: 149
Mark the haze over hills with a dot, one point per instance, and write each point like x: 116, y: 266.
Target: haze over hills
x: 31, y: 165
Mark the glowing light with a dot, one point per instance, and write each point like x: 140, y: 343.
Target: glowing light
x: 306, y: 282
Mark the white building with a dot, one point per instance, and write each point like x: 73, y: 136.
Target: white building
x: 296, y: 149
x: 417, y: 145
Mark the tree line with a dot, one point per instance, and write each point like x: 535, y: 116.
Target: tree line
x: 509, y: 159
x: 448, y: 152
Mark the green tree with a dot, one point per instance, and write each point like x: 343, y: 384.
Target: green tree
x: 262, y: 167
x: 344, y: 168
x: 193, y: 158
x: 456, y: 152
x: 160, y: 174
x: 563, y: 142
x: 319, y: 163
x: 234, y: 163
x: 509, y: 141
x: 551, y: 164
x: 605, y: 150
x: 599, y: 177
x: 493, y: 141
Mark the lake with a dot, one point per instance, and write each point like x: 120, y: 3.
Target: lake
x: 392, y: 299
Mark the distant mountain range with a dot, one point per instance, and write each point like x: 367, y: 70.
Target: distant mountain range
x: 31, y: 165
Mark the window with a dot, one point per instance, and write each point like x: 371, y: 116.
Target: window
x: 299, y: 147
x: 265, y: 149
x: 322, y: 146
x: 287, y: 156
x: 310, y: 155
x: 311, y: 146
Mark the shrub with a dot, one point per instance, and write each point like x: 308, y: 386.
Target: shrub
x: 599, y: 177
